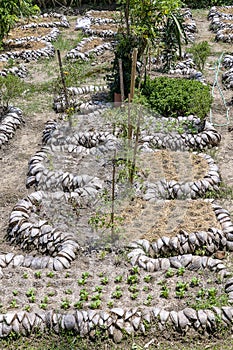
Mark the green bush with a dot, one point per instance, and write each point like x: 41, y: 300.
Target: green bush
x: 173, y: 97
x: 200, y: 52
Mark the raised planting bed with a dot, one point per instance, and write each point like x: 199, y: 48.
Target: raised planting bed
x: 20, y: 70
x: 89, y: 47
x: 10, y: 119
x: 47, y: 20
x: 28, y: 51
x: 19, y: 35
x: 103, y: 30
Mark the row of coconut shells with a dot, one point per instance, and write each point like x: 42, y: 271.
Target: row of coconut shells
x: 97, y: 50
x: 47, y: 50
x: 20, y: 71
x: 184, y: 243
x: 117, y: 322
x: 28, y: 230
x: 171, y: 189
x: 221, y: 23
x: 59, y: 102
x: 51, y: 36
x: 10, y: 121
x: 57, y: 20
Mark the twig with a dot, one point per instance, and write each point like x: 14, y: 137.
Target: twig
x: 64, y: 85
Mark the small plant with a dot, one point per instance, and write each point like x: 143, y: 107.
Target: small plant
x: 169, y: 273
x: 43, y: 306
x: 110, y: 303
x: 15, y: 292
x: 134, y: 295
x: 200, y: 52
x: 148, y: 300
x: 65, y: 304
x: 147, y: 278
x: 50, y: 274
x: 68, y: 291
x: 85, y: 275
x: 83, y: 295
x: 118, y: 279
x: 30, y: 292
x: 117, y: 294
x: 82, y: 281
x: 27, y: 308
x: 37, y: 274
x: 67, y: 275
x: 78, y: 304
x: 25, y: 275
x: 133, y: 288
x: 13, y: 304
x: 96, y: 296
x: 95, y: 304
x: 194, y: 282
x: 135, y: 270
x: 164, y: 292
x: 104, y: 280
x: 51, y: 293
x: 180, y: 271
x: 132, y: 279
x: 98, y: 289
x: 145, y: 288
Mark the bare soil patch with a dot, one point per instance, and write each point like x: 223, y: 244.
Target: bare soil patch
x: 29, y: 45
x: 20, y: 33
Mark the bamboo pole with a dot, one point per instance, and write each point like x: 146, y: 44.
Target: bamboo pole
x: 133, y: 73
x: 121, y: 80
x: 64, y: 85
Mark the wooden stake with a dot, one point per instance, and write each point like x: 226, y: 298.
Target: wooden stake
x: 121, y: 80
x: 63, y: 84
x: 113, y: 193
x: 132, y: 171
x: 133, y: 73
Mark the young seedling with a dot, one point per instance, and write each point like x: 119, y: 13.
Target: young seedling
x: 15, y: 292
x: 25, y: 275
x: 132, y: 279
x: 50, y: 274
x: 79, y: 304
x: 133, y: 288
x: 85, y: 275
x: 98, y: 289
x: 104, y: 280
x: 117, y: 294
x: 68, y: 291
x: 180, y: 271
x: 82, y: 281
x: 194, y: 282
x: 27, y: 308
x: 134, y: 295
x: 147, y: 278
x: 95, y: 304
x: 65, y: 304
x: 118, y: 279
x: 13, y: 304
x: 164, y: 292
x: 67, y: 275
x: 169, y: 273
x: 148, y: 300
x: 83, y: 295
x: 135, y: 270
x: 96, y: 296
x: 110, y: 303
x: 37, y: 274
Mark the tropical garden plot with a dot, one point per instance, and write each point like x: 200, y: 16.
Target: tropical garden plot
x: 109, y: 237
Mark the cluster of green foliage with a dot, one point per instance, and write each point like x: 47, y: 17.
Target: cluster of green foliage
x: 198, y: 4
x: 200, y: 52
x: 10, y: 88
x: 173, y: 97
x: 11, y: 10
x: 141, y: 29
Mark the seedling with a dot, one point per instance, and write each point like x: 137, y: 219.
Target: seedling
x: 98, y: 289
x: 68, y: 291
x: 82, y: 281
x: 30, y: 292
x: 194, y: 282
x: 25, y: 275
x: 134, y: 295
x: 145, y: 288
x: 95, y: 304
x: 78, y: 305
x: 135, y: 269
x: 13, y: 304
x: 83, y: 295
x: 85, y: 275
x: 169, y: 273
x: 37, y: 274
x: 117, y: 294
x: 65, y: 304
x: 181, y: 286
x: 51, y: 294
x: 104, y: 280
x: 147, y: 278
x: 67, y: 275
x: 180, y: 271
x: 132, y: 279
x: 164, y: 292
x: 27, y: 308
x: 43, y: 306
x: 118, y: 279
x: 96, y: 296
x: 212, y: 292
x: 110, y: 303
x: 133, y: 288
x: 148, y: 300
x: 50, y: 274
x: 15, y: 292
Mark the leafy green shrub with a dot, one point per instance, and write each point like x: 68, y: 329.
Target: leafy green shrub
x: 200, y: 52
x: 173, y: 97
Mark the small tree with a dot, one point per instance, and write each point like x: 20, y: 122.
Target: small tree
x: 200, y: 52
x: 10, y: 10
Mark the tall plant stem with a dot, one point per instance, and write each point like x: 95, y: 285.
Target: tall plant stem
x: 121, y: 80
x: 133, y: 73
x: 133, y: 167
